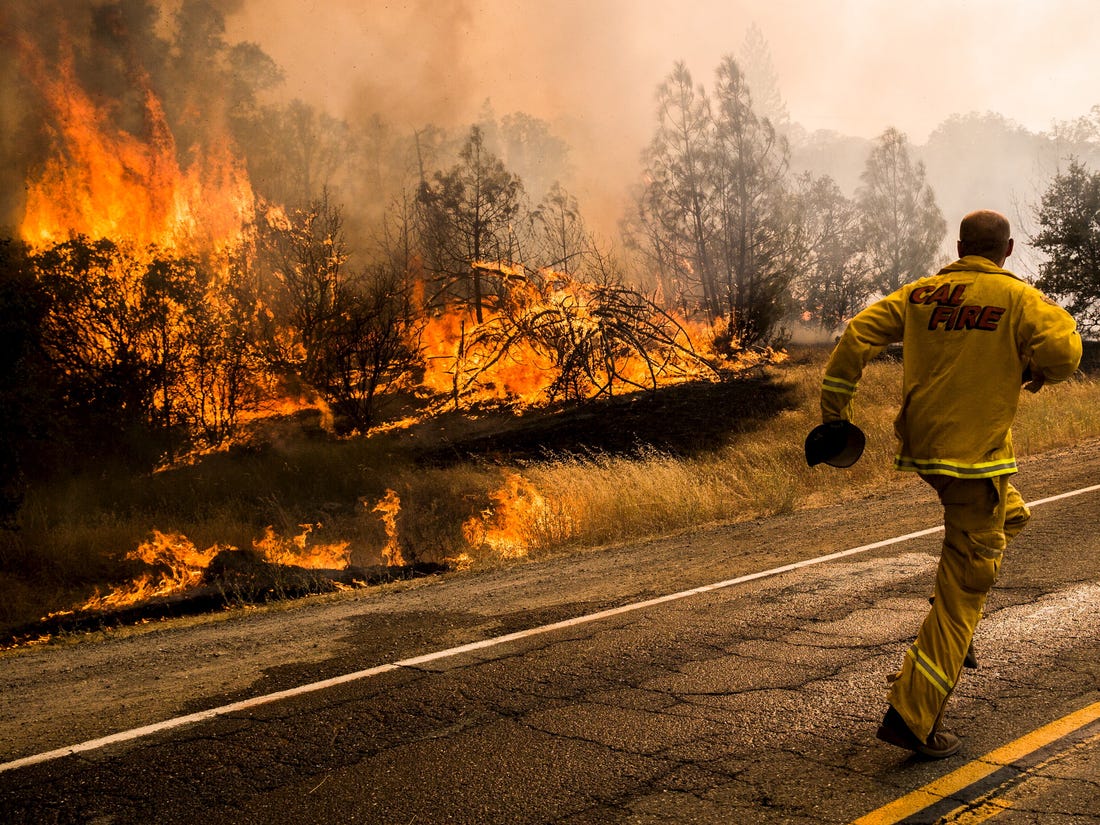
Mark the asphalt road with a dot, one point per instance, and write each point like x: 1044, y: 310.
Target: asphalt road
x: 755, y: 702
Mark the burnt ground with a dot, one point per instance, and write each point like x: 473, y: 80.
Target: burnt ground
x: 681, y: 420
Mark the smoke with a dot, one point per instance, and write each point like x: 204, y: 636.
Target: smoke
x: 590, y: 67
x: 573, y: 65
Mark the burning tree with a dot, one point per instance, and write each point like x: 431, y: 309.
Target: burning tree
x: 145, y: 348
x: 108, y: 335
x: 346, y: 334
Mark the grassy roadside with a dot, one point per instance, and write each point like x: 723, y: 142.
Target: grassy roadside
x: 483, y: 491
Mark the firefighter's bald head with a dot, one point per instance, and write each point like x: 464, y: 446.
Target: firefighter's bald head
x: 985, y: 233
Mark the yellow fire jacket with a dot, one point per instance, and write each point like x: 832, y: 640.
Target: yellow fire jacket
x: 968, y: 334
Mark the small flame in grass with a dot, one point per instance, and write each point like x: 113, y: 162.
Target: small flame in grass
x: 180, y: 565
x: 389, y: 506
x: 511, y: 523
x: 300, y: 552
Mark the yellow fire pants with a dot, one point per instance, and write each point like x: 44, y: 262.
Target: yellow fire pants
x: 980, y: 517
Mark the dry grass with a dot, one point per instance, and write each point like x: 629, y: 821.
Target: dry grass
x: 75, y: 535
x: 610, y: 498
x: 763, y: 473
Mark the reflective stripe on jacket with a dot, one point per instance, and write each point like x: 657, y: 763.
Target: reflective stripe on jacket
x: 968, y: 335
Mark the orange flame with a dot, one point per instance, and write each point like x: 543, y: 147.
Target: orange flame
x: 105, y: 182
x: 298, y: 551
x: 389, y: 506
x: 544, y: 323
x: 180, y: 565
x: 511, y: 524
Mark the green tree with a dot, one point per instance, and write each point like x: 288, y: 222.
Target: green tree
x: 903, y: 227
x: 1069, y: 235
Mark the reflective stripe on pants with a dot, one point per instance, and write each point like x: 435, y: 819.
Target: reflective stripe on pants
x: 980, y: 517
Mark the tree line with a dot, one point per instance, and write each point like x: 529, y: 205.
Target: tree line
x: 729, y: 230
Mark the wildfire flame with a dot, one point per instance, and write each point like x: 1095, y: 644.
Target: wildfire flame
x: 299, y: 552
x: 550, y: 334
x: 104, y: 182
x: 180, y: 565
x: 389, y: 506
x: 511, y: 524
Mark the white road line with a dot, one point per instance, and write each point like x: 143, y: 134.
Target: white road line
x: 268, y: 698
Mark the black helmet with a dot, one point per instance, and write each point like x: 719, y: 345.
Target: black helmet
x: 837, y: 443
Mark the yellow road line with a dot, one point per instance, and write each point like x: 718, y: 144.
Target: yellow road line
x: 968, y: 774
x: 999, y: 799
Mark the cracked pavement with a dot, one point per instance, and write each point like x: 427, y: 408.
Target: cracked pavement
x: 753, y: 703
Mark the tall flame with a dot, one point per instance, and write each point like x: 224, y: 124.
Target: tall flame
x: 104, y: 182
x: 389, y: 506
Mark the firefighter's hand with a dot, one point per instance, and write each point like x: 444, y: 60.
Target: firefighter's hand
x: 1033, y: 380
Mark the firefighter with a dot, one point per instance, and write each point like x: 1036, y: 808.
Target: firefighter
x: 971, y: 336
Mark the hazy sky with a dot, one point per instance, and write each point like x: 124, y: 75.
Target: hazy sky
x: 591, y: 67
x: 856, y: 66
